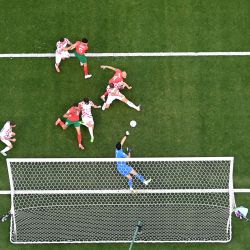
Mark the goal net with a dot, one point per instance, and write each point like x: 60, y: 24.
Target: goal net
x: 87, y: 200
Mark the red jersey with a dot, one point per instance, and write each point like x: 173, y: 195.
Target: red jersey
x: 73, y: 114
x: 81, y: 47
x: 117, y: 77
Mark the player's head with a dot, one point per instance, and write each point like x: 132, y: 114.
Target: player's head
x: 75, y: 105
x: 62, y: 39
x: 124, y: 74
x: 84, y: 40
x: 86, y: 100
x: 118, y: 145
x: 12, y: 124
x: 111, y: 85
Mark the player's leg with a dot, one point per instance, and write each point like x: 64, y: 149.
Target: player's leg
x: 8, y: 147
x: 106, y: 104
x: 79, y: 137
x: 83, y: 63
x: 58, y: 61
x: 61, y: 123
x: 130, y: 182
x: 140, y: 177
x: 89, y: 123
x: 130, y: 104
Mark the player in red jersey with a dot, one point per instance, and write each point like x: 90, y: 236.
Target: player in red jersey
x: 117, y: 80
x: 80, y: 48
x: 72, y: 118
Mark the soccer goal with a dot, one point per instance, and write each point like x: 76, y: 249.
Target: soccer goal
x: 87, y: 201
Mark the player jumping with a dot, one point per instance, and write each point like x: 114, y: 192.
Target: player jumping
x: 125, y: 169
x: 6, y: 136
x: 61, y: 53
x: 117, y: 79
x: 81, y: 47
x: 72, y: 118
x: 87, y: 118
x: 115, y: 94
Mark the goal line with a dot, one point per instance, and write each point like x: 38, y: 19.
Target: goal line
x: 126, y: 191
x: 131, y: 54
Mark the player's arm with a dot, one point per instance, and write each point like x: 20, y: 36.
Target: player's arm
x: 126, y: 85
x: 66, y: 115
x: 108, y: 67
x: 71, y: 47
x: 96, y: 107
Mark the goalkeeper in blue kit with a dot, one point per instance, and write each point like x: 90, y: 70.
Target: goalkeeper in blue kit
x: 125, y: 169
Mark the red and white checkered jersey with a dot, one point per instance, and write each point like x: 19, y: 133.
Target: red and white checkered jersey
x: 60, y: 45
x: 86, y: 108
x: 113, y: 91
x: 6, y: 131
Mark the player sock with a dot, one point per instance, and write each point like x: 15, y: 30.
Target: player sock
x: 61, y: 123
x: 79, y: 138
x: 85, y: 69
x: 91, y: 132
x: 140, y: 177
x: 5, y: 149
x: 130, y: 183
x: 104, y: 106
x: 130, y: 104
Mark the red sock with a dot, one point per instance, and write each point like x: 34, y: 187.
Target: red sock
x: 61, y: 123
x: 79, y: 138
x: 85, y: 69
x: 106, y: 93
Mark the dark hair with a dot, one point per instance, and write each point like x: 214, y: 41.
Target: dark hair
x: 75, y: 104
x: 84, y: 40
x: 86, y: 100
x: 12, y: 123
x: 118, y: 145
x: 111, y: 85
x: 61, y: 39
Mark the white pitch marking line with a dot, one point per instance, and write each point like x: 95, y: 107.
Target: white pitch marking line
x: 136, y: 54
x: 237, y: 190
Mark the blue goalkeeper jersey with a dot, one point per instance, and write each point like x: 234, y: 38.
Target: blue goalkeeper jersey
x: 120, y: 154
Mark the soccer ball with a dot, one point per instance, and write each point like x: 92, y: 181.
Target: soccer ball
x: 133, y: 123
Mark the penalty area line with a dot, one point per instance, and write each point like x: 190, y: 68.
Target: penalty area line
x: 135, y: 54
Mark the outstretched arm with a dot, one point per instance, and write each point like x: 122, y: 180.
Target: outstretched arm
x: 126, y: 85
x: 108, y: 67
x: 96, y: 106
x: 70, y: 47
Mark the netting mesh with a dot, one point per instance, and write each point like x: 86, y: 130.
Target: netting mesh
x: 111, y: 217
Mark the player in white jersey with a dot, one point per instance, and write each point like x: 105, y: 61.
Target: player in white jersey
x: 87, y: 118
x: 6, y: 135
x: 61, y: 52
x: 115, y: 94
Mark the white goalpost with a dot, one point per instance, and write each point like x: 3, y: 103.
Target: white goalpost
x: 85, y: 200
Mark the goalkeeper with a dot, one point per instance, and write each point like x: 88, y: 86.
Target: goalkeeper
x: 125, y: 169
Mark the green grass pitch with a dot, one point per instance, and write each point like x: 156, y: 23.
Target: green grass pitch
x: 190, y: 106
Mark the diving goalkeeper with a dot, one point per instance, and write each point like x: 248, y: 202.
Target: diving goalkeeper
x: 125, y: 169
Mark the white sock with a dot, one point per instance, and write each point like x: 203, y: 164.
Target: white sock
x: 130, y: 104
x: 91, y: 132
x: 5, y: 149
x: 104, y: 106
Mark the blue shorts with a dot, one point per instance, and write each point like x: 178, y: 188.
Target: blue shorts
x: 124, y: 169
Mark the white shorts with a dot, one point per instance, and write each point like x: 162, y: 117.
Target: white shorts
x: 7, y: 142
x: 112, y: 98
x: 87, y: 120
x: 64, y: 54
